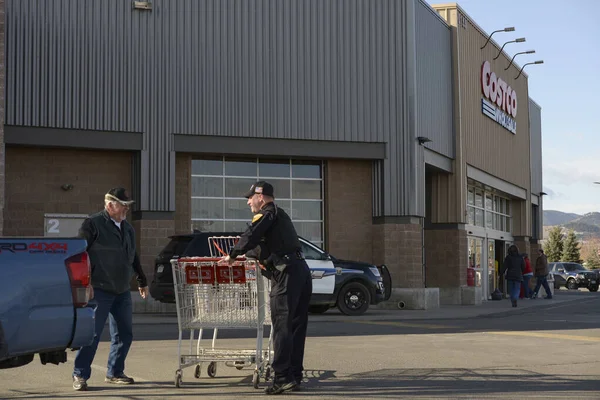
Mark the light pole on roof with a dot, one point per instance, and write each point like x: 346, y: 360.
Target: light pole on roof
x: 507, y: 29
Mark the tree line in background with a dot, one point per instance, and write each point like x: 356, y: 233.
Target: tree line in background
x: 561, y: 247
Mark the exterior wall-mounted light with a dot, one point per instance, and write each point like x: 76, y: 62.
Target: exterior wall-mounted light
x: 522, y: 52
x: 142, y: 5
x: 518, y: 40
x: 507, y: 29
x: 523, y: 67
x: 422, y: 140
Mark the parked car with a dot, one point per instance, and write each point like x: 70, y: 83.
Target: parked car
x: 44, y: 292
x: 573, y: 276
x: 350, y: 285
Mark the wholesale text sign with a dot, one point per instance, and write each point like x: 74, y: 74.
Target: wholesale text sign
x: 499, y: 100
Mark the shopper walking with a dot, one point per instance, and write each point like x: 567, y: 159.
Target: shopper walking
x: 526, y: 291
x: 541, y: 275
x: 513, y: 268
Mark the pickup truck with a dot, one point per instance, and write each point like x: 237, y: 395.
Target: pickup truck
x: 44, y: 292
x: 351, y: 286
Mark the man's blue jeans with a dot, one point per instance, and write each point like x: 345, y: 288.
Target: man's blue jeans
x: 514, y: 289
x: 119, y: 308
x: 528, y: 291
x: 542, y: 281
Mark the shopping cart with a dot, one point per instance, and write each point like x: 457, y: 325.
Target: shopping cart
x: 209, y: 295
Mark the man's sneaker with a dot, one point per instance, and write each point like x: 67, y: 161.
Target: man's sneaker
x: 119, y: 380
x: 79, y: 383
x: 278, y: 388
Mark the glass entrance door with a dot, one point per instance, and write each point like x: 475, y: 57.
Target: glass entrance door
x: 476, y: 261
x: 492, y: 267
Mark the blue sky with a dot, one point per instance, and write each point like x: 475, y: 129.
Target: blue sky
x: 566, y: 35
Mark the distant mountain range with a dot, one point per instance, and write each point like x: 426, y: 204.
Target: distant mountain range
x: 552, y: 217
x: 586, y: 226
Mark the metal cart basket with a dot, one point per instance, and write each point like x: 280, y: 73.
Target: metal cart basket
x: 213, y: 296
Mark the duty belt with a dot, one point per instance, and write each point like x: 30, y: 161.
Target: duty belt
x: 293, y: 256
x: 287, y: 259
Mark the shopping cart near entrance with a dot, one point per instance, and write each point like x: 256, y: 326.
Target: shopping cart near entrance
x: 213, y: 296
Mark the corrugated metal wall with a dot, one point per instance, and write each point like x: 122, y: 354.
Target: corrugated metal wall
x: 535, y: 130
x: 73, y: 64
x: 302, y: 69
x: 94, y: 65
x: 489, y: 146
x: 434, y: 80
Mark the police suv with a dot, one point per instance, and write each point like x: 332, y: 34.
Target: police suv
x: 351, y: 286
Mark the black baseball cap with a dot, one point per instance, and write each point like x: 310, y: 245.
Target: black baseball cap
x: 260, y: 187
x: 118, y: 194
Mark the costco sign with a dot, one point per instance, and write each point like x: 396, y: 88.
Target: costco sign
x: 500, y: 100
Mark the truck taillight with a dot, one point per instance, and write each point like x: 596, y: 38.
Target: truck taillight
x: 78, y: 267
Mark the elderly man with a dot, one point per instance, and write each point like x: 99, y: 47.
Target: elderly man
x: 114, y: 260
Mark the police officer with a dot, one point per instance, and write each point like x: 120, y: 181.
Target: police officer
x: 273, y: 232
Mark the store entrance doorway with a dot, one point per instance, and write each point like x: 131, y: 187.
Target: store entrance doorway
x: 486, y: 257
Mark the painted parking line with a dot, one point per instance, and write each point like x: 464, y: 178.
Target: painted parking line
x: 547, y: 336
x: 404, y: 324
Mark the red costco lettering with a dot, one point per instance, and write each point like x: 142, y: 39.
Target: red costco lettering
x: 498, y: 91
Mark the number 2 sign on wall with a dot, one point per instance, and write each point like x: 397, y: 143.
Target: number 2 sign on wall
x: 63, y: 225
x: 52, y: 226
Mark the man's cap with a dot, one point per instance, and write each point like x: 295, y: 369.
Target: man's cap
x: 260, y: 187
x: 118, y: 194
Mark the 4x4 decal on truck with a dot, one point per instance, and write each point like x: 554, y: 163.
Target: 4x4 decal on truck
x: 35, y: 247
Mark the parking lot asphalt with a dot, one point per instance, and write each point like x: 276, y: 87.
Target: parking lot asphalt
x: 541, y: 349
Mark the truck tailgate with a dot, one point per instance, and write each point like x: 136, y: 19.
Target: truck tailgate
x: 36, y: 302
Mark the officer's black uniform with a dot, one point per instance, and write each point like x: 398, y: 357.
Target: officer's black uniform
x: 291, y: 287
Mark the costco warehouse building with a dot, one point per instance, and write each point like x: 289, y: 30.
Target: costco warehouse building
x: 389, y: 134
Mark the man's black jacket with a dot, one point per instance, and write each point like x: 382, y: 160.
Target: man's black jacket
x: 112, y: 253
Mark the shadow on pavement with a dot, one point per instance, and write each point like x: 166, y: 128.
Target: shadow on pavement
x: 448, y: 382
x: 386, y: 383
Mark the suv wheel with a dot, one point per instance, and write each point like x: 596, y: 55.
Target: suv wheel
x: 354, y: 299
x: 593, y: 288
x: 572, y: 285
x: 320, y: 309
